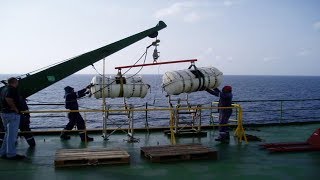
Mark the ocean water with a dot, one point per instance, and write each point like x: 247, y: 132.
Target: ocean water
x: 245, y: 88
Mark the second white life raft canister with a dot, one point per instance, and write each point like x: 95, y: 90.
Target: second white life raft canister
x: 191, y: 80
x: 115, y: 86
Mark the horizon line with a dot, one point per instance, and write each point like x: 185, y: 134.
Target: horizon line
x: 163, y: 73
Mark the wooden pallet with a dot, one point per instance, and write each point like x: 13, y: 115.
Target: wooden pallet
x: 178, y: 152
x: 90, y: 157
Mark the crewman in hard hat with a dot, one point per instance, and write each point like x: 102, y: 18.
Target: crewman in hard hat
x: 224, y: 113
x: 75, y: 118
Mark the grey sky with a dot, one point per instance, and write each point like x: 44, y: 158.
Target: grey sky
x: 245, y: 37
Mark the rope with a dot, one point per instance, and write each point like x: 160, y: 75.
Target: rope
x: 96, y: 70
x: 157, y: 82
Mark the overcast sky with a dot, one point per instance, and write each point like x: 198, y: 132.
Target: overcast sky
x: 239, y: 37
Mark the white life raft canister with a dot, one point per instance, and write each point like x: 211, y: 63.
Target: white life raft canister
x: 191, y: 80
x: 116, y: 87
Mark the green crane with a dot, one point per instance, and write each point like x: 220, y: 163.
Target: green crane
x: 33, y: 83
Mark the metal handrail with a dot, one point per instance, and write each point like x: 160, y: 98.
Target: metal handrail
x: 275, y: 100
x: 284, y: 110
x: 239, y: 130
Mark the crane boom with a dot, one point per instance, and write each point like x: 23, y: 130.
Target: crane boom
x: 33, y: 83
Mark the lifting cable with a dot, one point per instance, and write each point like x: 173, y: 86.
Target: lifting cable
x: 144, y: 61
x: 157, y: 82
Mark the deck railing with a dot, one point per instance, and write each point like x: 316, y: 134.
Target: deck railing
x: 280, y: 111
x: 254, y: 112
x: 238, y: 121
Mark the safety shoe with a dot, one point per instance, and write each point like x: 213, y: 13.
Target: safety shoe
x: 88, y: 139
x: 31, y: 142
x: 16, y: 157
x: 64, y: 137
x: 222, y: 139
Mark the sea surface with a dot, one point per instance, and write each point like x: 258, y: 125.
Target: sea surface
x: 258, y: 95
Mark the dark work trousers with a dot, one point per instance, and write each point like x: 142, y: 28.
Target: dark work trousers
x: 75, y: 118
x: 1, y: 131
x: 25, y: 127
x: 224, y: 115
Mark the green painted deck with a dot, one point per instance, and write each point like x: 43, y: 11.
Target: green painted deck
x: 244, y: 161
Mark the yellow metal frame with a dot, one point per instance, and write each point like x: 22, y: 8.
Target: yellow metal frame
x: 195, y: 114
x: 239, y: 132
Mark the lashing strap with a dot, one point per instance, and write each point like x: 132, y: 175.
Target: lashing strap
x: 198, y: 75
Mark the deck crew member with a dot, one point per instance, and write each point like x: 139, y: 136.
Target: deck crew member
x: 1, y: 131
x: 10, y: 104
x: 25, y: 123
x: 1, y: 125
x: 23, y: 126
x: 225, y: 100
x: 75, y: 118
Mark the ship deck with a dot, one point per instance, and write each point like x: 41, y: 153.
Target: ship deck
x: 241, y: 161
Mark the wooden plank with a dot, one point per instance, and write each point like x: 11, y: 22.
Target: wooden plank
x: 159, y: 153
x: 90, y: 154
x: 186, y: 149
x: 178, y: 152
x: 90, y: 162
x: 87, y: 150
x: 97, y: 155
x: 85, y: 157
x: 172, y: 146
x: 208, y: 155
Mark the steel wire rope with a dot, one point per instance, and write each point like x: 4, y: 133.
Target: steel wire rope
x: 157, y: 82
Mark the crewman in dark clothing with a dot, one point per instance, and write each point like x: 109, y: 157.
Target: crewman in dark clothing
x: 1, y: 132
x: 224, y: 114
x: 25, y: 123
x: 1, y: 125
x: 75, y: 118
